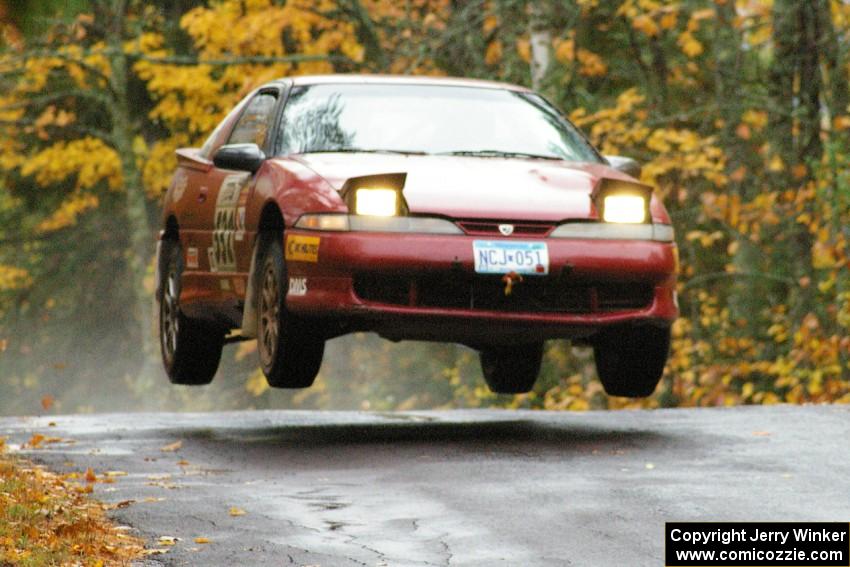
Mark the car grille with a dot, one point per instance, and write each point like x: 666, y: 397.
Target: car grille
x: 533, y: 295
x: 491, y: 228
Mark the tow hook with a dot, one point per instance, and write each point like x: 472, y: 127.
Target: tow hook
x: 510, y: 279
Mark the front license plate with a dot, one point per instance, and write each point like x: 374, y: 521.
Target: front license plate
x: 502, y: 256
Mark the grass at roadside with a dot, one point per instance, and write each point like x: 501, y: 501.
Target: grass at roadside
x: 48, y: 519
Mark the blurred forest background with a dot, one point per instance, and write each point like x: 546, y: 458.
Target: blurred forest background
x: 737, y: 109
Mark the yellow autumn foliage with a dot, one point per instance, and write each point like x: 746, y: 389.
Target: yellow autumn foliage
x: 63, y: 160
x: 12, y: 278
x: 67, y: 213
x: 689, y: 44
x: 48, y: 519
x: 590, y: 64
x: 192, y: 99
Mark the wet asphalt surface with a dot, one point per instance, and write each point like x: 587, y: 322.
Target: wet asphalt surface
x: 452, y: 488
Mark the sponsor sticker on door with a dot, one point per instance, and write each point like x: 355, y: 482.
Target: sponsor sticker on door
x: 192, y: 258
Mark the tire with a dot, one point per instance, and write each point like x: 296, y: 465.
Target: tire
x: 191, y: 349
x: 630, y: 361
x: 290, y: 351
x: 511, y: 370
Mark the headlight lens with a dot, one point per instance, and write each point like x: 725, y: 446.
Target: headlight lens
x: 624, y: 209
x: 336, y: 222
x: 358, y: 223
x: 614, y: 231
x: 376, y: 202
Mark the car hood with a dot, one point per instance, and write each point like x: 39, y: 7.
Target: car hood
x: 476, y: 187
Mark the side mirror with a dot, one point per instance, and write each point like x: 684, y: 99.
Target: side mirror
x: 627, y: 165
x: 241, y: 157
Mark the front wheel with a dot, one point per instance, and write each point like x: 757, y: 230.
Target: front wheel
x: 290, y: 351
x: 511, y: 369
x: 630, y: 361
x: 191, y: 349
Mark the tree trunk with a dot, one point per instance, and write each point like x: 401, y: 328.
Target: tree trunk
x: 140, y: 246
x: 728, y: 56
x: 835, y: 60
x: 540, y: 38
x: 367, y: 35
x: 795, y: 124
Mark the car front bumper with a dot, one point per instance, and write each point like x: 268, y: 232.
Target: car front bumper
x: 424, y: 287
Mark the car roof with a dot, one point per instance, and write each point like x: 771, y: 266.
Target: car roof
x: 361, y: 79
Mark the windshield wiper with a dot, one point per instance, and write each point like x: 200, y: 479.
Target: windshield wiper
x: 497, y: 153
x: 364, y: 151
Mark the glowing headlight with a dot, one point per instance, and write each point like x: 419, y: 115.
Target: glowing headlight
x: 376, y: 202
x: 624, y: 209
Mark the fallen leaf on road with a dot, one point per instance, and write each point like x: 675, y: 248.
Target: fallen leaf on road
x: 167, y: 540
x: 115, y: 473
x: 155, y: 551
x: 201, y: 540
x: 36, y: 440
x: 163, y: 484
x: 118, y: 505
x: 761, y: 433
x: 153, y: 499
x: 234, y: 511
x: 171, y: 447
x: 47, y: 402
x: 183, y: 462
x: 90, y: 476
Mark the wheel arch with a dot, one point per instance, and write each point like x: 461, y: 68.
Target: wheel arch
x: 171, y: 230
x: 271, y: 219
x: 170, y: 235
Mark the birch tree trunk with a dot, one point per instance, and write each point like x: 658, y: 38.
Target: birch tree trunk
x: 540, y: 37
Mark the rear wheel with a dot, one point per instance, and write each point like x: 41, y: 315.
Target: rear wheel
x: 630, y: 361
x: 191, y: 349
x: 511, y: 369
x: 290, y: 350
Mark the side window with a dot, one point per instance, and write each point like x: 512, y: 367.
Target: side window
x: 217, y: 138
x: 214, y: 140
x: 254, y: 122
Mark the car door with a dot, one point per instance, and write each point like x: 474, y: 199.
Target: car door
x: 189, y: 196
x: 222, y: 196
x: 229, y: 250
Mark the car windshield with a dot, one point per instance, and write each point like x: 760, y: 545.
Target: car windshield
x: 427, y: 119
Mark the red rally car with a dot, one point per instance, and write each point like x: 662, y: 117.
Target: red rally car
x: 420, y: 209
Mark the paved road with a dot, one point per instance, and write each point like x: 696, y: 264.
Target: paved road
x: 452, y: 488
